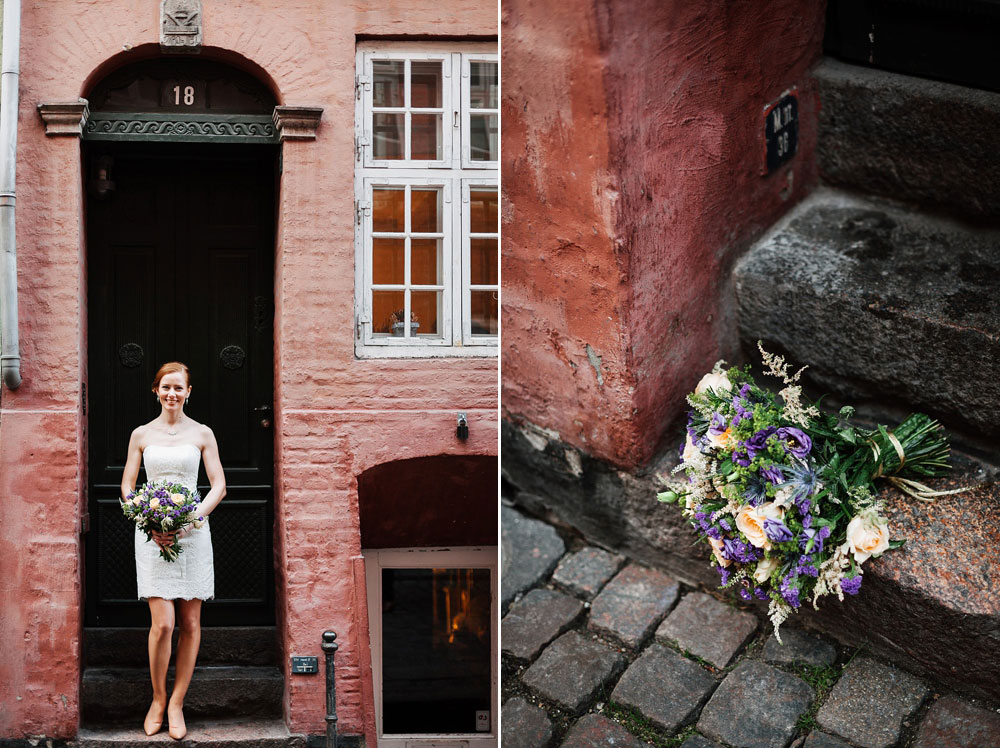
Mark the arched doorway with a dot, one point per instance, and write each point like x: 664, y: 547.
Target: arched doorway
x: 429, y: 538
x: 180, y: 165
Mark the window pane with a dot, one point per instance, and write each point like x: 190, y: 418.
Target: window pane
x: 435, y: 649
x: 425, y: 262
x: 387, y: 135
x: 483, y: 258
x: 426, y: 306
x: 425, y: 134
x: 388, y: 258
x: 484, y: 312
x: 424, y: 210
x: 483, y: 80
x: 388, y: 209
x: 483, y: 211
x: 483, y: 137
x: 387, y: 311
x: 425, y: 83
x: 387, y: 86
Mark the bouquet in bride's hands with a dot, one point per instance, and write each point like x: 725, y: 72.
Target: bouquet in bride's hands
x: 786, y: 495
x: 162, y: 506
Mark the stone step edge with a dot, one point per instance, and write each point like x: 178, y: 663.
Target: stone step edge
x: 225, y: 645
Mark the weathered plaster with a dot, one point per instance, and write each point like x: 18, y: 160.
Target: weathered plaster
x: 632, y: 180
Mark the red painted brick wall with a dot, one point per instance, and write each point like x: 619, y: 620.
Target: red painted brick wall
x: 335, y: 416
x: 632, y: 154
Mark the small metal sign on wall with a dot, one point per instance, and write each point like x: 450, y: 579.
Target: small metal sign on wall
x: 781, y: 131
x: 180, y: 25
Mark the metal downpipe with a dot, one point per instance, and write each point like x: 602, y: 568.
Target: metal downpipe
x: 10, y: 357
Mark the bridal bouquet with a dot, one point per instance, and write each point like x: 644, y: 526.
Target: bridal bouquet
x: 163, y: 506
x: 785, y: 495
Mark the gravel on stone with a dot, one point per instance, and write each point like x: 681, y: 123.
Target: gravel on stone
x: 597, y: 731
x: 819, y: 739
x: 529, y: 551
x: 535, y: 620
x: 757, y: 706
x: 951, y: 723
x: 798, y: 648
x: 869, y: 703
x: 632, y: 603
x: 707, y: 628
x: 697, y: 741
x: 524, y: 725
x: 664, y: 687
x: 573, y: 670
x: 584, y: 573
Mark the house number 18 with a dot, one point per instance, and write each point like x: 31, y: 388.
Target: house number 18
x: 187, y: 93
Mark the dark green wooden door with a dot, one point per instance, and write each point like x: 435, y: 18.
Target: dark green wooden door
x: 180, y: 267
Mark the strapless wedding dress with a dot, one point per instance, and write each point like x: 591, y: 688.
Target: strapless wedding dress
x: 192, y: 575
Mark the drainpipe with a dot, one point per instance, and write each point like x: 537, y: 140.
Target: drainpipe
x: 10, y: 358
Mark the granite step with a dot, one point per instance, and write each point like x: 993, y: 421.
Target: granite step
x: 888, y: 308
x: 225, y: 645
x: 113, y: 694
x: 217, y: 733
x: 909, y: 138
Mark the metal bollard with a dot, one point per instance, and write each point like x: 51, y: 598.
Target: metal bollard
x: 330, y: 648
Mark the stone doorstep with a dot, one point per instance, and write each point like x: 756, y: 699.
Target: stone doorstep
x: 114, y: 694
x: 220, y: 645
x: 880, y: 132
x: 222, y: 733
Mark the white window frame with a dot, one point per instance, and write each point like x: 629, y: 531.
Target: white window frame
x: 454, y: 171
x: 467, y: 337
x: 466, y: 92
x: 480, y: 557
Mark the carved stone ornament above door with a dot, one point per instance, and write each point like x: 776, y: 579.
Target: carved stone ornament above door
x: 180, y: 25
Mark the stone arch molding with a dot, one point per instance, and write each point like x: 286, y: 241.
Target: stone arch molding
x: 75, y: 118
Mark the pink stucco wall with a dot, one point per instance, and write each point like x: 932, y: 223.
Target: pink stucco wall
x: 335, y: 415
x: 632, y: 180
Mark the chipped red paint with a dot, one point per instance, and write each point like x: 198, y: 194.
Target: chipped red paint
x: 335, y: 416
x: 631, y: 173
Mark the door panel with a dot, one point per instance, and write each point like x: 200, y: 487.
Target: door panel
x: 180, y: 267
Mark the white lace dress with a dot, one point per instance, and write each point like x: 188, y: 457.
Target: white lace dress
x: 192, y: 575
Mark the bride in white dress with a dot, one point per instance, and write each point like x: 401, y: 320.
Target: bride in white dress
x: 171, y: 446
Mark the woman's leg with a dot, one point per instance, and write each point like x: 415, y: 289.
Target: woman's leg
x: 161, y: 628
x: 187, y: 653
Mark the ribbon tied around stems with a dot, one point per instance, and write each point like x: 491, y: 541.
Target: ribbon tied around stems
x: 913, y: 488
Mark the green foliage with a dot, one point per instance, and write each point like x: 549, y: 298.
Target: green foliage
x: 645, y: 730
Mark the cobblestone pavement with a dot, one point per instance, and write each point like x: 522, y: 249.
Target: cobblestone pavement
x: 601, y: 651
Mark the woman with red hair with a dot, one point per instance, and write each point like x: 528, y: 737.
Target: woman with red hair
x: 171, y: 446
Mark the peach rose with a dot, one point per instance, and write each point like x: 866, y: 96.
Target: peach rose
x: 765, y: 567
x: 723, y: 440
x: 177, y: 498
x: 750, y: 522
x: 717, y: 550
x: 154, y: 503
x: 867, y: 535
x: 690, y: 450
x: 718, y: 382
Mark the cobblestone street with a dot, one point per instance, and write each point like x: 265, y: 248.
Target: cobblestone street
x: 600, y: 651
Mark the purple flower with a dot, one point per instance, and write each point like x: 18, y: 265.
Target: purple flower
x: 724, y: 573
x: 804, y: 566
x: 807, y: 521
x: 758, y: 442
x: 772, y: 474
x: 725, y: 525
x: 759, y: 593
x: 741, y: 458
x: 713, y: 533
x: 745, y: 391
x: 851, y: 585
x: 745, y: 593
x: 790, y: 593
x: 796, y: 441
x: 718, y: 424
x: 777, y: 531
x: 817, y: 536
x: 737, y: 550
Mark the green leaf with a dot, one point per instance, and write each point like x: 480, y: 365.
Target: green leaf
x: 893, y: 544
x: 725, y: 467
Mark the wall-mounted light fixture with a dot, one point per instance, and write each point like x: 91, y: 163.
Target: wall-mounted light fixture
x: 463, y: 426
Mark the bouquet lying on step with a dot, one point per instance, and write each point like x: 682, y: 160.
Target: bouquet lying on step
x: 785, y: 495
x: 163, y: 506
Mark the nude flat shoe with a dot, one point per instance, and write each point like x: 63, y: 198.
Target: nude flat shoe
x: 177, y: 732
